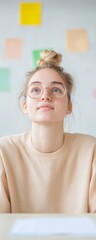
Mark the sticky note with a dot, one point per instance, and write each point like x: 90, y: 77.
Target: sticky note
x: 77, y: 40
x: 5, y: 81
x: 13, y: 48
x: 94, y: 93
x: 36, y: 56
x: 30, y: 13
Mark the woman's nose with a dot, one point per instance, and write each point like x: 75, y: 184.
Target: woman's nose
x: 46, y: 95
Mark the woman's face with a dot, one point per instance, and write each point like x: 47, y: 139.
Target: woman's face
x: 46, y: 108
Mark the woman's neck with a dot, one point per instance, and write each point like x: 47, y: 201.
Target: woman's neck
x: 47, y: 138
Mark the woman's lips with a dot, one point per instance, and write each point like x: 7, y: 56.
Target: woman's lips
x: 46, y: 107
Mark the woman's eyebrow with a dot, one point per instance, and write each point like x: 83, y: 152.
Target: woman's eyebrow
x: 35, y: 82
x: 53, y: 82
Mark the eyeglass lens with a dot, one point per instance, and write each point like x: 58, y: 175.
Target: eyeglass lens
x: 56, y: 90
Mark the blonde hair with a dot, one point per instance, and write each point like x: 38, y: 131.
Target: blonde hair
x: 49, y: 59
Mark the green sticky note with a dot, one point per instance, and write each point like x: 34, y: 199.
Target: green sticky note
x: 5, y: 83
x: 36, y: 56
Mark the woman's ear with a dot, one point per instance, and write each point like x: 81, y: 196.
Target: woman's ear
x: 69, y: 109
x: 24, y: 107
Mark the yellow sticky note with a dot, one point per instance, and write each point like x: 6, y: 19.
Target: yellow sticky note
x: 30, y: 13
x: 77, y: 40
x: 13, y: 48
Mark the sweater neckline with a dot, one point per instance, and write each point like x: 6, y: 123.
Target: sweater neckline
x: 34, y: 151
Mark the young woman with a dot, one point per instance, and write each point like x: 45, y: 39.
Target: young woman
x: 47, y: 170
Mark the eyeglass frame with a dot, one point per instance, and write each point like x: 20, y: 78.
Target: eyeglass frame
x: 47, y: 88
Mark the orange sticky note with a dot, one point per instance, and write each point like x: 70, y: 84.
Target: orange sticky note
x: 13, y: 48
x: 30, y: 13
x: 77, y: 40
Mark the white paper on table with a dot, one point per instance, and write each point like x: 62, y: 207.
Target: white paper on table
x: 36, y: 226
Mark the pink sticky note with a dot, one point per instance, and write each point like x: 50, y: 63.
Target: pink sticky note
x: 94, y: 93
x: 13, y: 48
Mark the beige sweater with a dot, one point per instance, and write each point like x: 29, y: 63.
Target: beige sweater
x: 60, y: 182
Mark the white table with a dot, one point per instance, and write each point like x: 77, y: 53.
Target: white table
x: 7, y: 222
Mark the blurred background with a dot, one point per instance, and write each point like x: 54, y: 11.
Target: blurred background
x: 66, y: 26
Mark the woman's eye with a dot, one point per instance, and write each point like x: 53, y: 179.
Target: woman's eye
x: 35, y: 90
x: 56, y: 90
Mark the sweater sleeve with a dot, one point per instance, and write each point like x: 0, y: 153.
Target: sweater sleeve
x: 92, y: 189
x: 4, y: 194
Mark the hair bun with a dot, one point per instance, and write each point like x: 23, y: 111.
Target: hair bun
x: 50, y: 56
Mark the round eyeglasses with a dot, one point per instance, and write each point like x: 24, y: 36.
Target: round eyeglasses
x: 57, y: 90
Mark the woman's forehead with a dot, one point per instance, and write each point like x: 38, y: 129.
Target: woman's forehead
x: 46, y: 75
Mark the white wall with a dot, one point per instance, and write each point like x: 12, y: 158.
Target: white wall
x: 58, y: 16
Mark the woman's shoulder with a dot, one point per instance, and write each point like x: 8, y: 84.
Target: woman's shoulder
x: 14, y: 139
x: 80, y: 138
